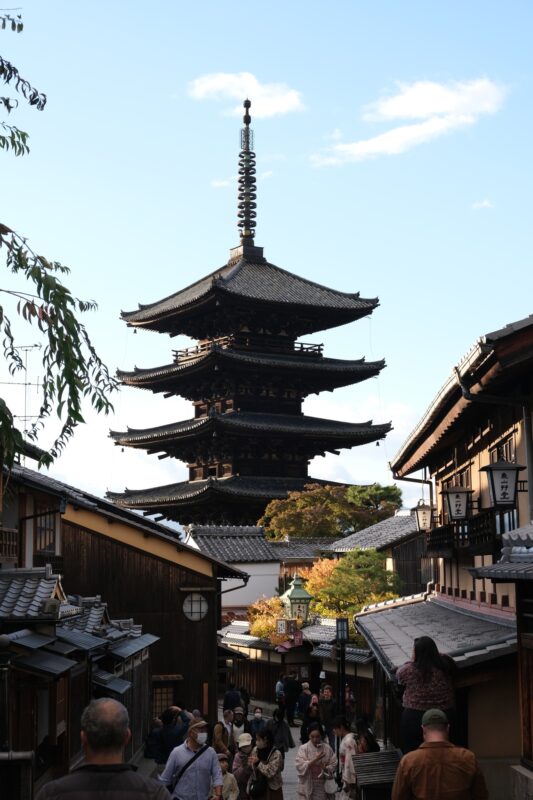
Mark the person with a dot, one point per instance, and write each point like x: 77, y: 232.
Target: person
x: 245, y: 699
x: 315, y: 762
x: 258, y: 722
x: 173, y: 732
x: 240, y: 725
x: 292, y: 691
x: 327, y: 708
x: 230, y: 790
x: 347, y: 750
x: 193, y: 767
x: 232, y: 698
x: 428, y: 683
x: 366, y: 741
x: 438, y: 770
x: 267, y: 760
x: 223, y: 741
x: 281, y: 733
x: 304, y: 699
x: 311, y: 716
x: 105, y: 732
x: 152, y: 743
x: 242, y: 769
x: 280, y: 691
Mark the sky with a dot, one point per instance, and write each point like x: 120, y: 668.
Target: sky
x: 393, y: 151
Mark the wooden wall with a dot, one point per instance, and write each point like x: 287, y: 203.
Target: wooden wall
x: 412, y: 564
x: 138, y: 585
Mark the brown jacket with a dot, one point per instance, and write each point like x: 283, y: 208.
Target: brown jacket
x: 439, y: 771
x: 222, y: 741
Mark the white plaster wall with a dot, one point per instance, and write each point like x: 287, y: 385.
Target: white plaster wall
x: 264, y: 578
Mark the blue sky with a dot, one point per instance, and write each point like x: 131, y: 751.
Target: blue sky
x: 393, y: 143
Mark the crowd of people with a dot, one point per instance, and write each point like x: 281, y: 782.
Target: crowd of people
x: 242, y: 755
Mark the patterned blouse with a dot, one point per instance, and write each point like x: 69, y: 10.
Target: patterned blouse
x: 437, y: 692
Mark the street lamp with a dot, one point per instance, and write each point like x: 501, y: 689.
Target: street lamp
x: 503, y: 482
x: 297, y: 599
x: 423, y: 514
x: 342, y: 636
x: 456, y: 499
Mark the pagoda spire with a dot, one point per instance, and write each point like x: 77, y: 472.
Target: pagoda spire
x: 247, y: 181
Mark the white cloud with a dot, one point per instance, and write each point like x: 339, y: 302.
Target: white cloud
x: 220, y: 183
x: 268, y: 99
x: 480, y: 204
x: 266, y: 174
x: 440, y: 108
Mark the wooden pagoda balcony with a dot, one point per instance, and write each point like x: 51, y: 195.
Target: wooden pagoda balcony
x: 249, y: 342
x: 477, y: 535
x: 9, y: 544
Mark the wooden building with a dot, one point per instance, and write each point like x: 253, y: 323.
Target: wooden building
x: 479, y: 424
x: 56, y: 653
x: 247, y: 376
x: 141, y: 567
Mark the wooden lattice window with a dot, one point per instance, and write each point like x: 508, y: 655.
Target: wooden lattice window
x: 44, y: 527
x: 163, y: 698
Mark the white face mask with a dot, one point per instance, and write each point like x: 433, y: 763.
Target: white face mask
x: 258, y: 715
x: 201, y: 738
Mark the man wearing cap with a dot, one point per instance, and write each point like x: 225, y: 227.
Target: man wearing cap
x: 193, y: 767
x: 438, y: 770
x: 240, y: 725
x: 242, y: 769
x: 230, y: 790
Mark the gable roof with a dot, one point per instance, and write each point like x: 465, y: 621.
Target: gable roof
x: 516, y: 562
x: 233, y: 543
x: 24, y: 592
x: 379, y: 536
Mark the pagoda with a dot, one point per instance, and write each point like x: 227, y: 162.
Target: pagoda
x: 247, y: 376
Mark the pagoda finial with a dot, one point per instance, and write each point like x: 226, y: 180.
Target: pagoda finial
x: 247, y: 182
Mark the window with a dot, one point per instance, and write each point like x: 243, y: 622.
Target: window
x: 44, y: 529
x: 163, y: 698
x: 195, y: 606
x: 503, y: 451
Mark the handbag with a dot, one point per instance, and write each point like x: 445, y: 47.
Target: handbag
x: 330, y: 785
x: 258, y: 785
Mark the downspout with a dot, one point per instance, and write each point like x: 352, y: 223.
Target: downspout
x: 415, y: 480
x: 524, y: 405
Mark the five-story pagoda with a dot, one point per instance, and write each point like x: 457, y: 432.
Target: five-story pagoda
x: 247, y: 377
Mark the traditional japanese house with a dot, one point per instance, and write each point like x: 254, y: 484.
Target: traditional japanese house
x: 56, y: 653
x: 143, y: 569
x: 248, y: 441
x: 475, y: 447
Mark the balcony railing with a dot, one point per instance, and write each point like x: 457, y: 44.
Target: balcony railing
x: 249, y: 342
x: 477, y: 535
x: 9, y: 544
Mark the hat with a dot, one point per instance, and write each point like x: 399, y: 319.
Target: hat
x: 197, y: 726
x: 196, y: 712
x: 245, y: 739
x: 238, y: 710
x: 223, y: 757
x: 305, y: 685
x: 434, y: 716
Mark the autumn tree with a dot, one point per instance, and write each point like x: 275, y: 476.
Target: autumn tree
x: 263, y: 616
x: 73, y: 371
x: 334, y: 511
x: 357, y: 579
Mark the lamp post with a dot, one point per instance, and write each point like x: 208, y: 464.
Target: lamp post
x: 297, y: 599
x: 503, y: 483
x: 342, y: 635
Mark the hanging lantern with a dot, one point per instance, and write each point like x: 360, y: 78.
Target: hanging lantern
x: 457, y: 502
x: 503, y: 483
x: 296, y: 599
x: 342, y: 630
x: 423, y: 514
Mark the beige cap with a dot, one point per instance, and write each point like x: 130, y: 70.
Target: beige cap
x: 244, y: 739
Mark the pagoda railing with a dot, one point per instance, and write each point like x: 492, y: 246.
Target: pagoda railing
x: 9, y: 544
x: 477, y: 534
x: 245, y: 342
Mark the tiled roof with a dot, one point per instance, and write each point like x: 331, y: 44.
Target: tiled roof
x: 467, y: 636
x: 234, y: 546
x: 379, y: 536
x: 245, y: 422
x: 339, y: 371
x: 243, y: 486
x: 354, y: 655
x: 262, y: 282
x: 23, y: 592
x: 325, y: 630
x: 130, y: 646
x: 41, y: 661
x: 298, y: 549
x: 516, y: 563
